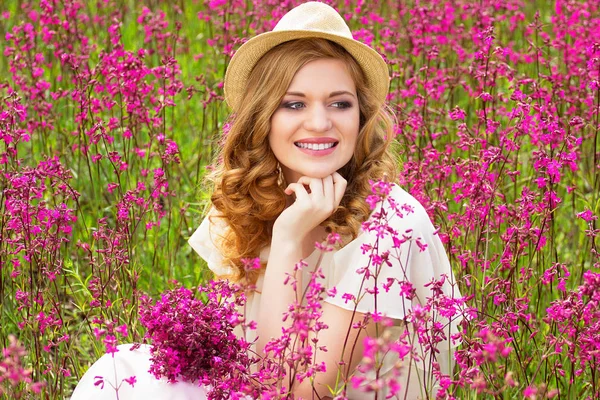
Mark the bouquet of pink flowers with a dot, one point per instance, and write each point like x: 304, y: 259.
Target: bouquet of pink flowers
x: 193, y: 339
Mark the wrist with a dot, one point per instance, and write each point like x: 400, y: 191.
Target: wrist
x: 285, y: 244
x: 286, y: 237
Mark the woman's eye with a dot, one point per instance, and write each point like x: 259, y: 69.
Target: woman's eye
x: 342, y: 104
x: 297, y: 105
x: 294, y: 105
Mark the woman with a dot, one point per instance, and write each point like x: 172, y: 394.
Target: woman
x: 310, y: 133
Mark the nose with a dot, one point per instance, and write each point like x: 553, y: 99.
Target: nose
x: 317, y: 120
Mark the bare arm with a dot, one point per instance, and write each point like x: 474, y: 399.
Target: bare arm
x: 289, y: 231
x: 348, y: 351
x: 343, y: 344
x: 276, y: 296
x: 275, y: 300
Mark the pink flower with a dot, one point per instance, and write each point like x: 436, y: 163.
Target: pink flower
x: 213, y: 4
x: 99, y: 381
x: 587, y: 215
x: 194, y: 340
x: 530, y: 392
x: 457, y: 114
x: 131, y: 380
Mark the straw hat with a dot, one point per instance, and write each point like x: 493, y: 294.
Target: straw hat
x: 308, y: 20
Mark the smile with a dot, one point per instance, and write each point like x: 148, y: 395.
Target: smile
x: 316, y: 146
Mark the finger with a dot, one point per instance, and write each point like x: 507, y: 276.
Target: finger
x: 339, y: 184
x: 315, y: 185
x: 299, y: 190
x: 329, y: 191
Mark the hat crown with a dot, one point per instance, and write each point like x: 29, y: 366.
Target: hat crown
x: 310, y: 20
x: 314, y: 16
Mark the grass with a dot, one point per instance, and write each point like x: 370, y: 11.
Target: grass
x: 151, y: 260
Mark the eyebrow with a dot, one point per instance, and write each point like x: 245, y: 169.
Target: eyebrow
x: 332, y: 94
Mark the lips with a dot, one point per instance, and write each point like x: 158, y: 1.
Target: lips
x: 317, y: 140
x: 316, y: 146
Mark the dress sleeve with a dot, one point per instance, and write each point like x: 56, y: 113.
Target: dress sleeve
x: 205, y: 242
x: 408, y: 252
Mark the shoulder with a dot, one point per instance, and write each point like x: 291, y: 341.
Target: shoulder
x: 206, y: 241
x: 403, y: 212
x: 401, y: 196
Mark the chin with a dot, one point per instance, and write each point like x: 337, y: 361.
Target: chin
x: 319, y: 174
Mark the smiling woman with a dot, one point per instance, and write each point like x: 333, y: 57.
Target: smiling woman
x: 314, y: 131
x: 309, y: 142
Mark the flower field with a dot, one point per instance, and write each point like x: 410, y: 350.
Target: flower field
x: 111, y: 111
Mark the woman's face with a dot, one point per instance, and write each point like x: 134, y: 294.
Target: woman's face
x: 315, y: 128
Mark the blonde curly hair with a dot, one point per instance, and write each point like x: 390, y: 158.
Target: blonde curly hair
x: 247, y: 182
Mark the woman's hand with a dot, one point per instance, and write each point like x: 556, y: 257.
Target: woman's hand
x: 309, y: 209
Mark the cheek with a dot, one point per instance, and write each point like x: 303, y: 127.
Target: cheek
x: 353, y: 129
x: 276, y: 144
x: 353, y: 137
x: 354, y: 121
x: 277, y: 129
x: 272, y: 130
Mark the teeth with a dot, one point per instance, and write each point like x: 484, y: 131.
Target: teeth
x: 315, y: 146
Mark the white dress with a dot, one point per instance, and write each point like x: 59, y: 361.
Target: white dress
x: 340, y: 270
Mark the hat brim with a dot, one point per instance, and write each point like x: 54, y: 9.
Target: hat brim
x: 246, y: 57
